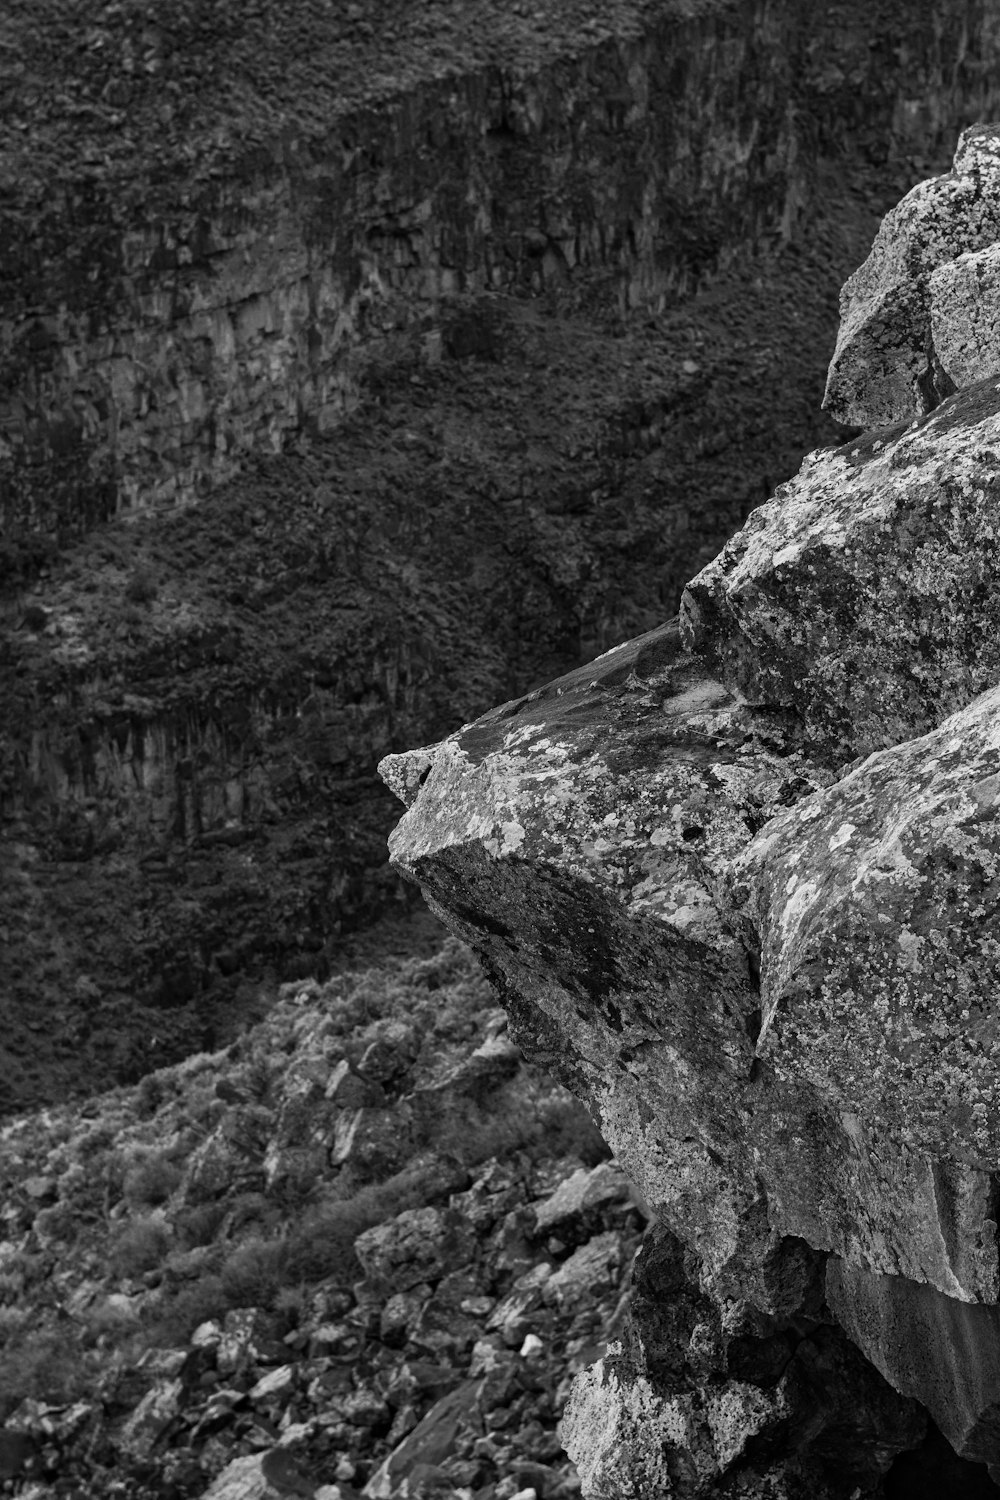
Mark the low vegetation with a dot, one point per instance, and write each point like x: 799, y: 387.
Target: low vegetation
x: 209, y: 1187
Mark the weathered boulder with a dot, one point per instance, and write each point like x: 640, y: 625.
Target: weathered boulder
x: 768, y: 964
x: 965, y: 316
x: 431, y: 1441
x: 583, y: 839
x: 581, y: 1201
x: 876, y: 904
x: 907, y: 338
x: 861, y: 596
x: 419, y: 1244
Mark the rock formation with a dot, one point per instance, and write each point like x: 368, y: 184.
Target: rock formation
x: 362, y: 365
x: 736, y: 884
x: 362, y: 1253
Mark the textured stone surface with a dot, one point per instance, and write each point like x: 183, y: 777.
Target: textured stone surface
x: 876, y: 905
x: 861, y: 596
x: 944, y: 1352
x: 965, y: 316
x: 588, y: 840
x: 896, y: 306
x: 623, y: 1435
x: 768, y: 962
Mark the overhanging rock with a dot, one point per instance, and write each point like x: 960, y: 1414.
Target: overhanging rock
x: 769, y: 964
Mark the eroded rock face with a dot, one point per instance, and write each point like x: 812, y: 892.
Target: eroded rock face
x: 768, y: 963
x: 861, y: 595
x: 908, y: 334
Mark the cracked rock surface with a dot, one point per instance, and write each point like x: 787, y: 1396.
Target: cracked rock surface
x: 736, y: 884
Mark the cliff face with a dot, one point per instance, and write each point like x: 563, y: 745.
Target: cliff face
x: 736, y: 883
x: 228, y: 312
x: 361, y: 369
x: 179, y: 298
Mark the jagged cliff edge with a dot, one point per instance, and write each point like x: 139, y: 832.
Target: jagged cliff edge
x: 736, y: 883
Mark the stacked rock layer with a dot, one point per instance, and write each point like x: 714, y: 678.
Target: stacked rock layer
x: 737, y: 883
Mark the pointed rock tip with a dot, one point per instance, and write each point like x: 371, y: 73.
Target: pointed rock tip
x: 404, y: 774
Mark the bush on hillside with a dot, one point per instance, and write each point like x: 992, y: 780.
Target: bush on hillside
x: 141, y: 1245
x: 43, y: 1366
x: 151, y: 1180
x: 253, y: 1272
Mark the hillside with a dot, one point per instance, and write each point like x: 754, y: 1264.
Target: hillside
x: 366, y: 1235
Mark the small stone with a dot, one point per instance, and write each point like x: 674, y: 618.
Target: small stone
x: 275, y: 1384
x: 40, y: 1189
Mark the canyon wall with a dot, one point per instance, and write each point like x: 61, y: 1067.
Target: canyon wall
x: 736, y: 882
x: 498, y: 324
x: 168, y: 313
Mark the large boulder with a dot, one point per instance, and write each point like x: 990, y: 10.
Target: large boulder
x: 737, y: 884
x: 908, y: 335
x: 861, y: 597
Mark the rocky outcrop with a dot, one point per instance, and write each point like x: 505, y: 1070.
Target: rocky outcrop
x: 918, y: 319
x: 372, y: 330
x: 736, y: 884
x: 205, y: 1292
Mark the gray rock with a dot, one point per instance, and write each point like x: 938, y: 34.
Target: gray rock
x: 767, y: 962
x: 430, y: 1442
x: 859, y: 598
x: 885, y: 367
x: 581, y: 1200
x: 419, y: 1244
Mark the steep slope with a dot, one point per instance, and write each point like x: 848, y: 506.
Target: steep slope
x: 368, y: 1243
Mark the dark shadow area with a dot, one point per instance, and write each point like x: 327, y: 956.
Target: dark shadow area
x: 934, y: 1471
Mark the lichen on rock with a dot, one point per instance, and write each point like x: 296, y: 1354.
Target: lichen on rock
x: 861, y: 595
x: 736, y: 882
x: 895, y: 356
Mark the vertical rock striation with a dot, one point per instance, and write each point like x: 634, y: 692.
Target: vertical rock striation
x: 213, y: 231
x: 737, y: 883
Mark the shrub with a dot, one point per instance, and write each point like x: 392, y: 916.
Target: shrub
x: 291, y: 1303
x: 12, y: 1320
x: 104, y: 1322
x: 568, y: 1129
x: 496, y: 1135
x: 151, y: 1180
x: 174, y: 1323
x: 141, y: 586
x: 259, y: 1079
x: 198, y: 1224
x: 96, y: 1138
x: 324, y: 1244
x: 11, y: 1286
x: 149, y: 1095
x: 44, y: 1366
x: 253, y: 1273
x: 141, y: 1246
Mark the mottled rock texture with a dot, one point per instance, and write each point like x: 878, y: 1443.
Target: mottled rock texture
x: 918, y: 318
x: 736, y: 882
x: 862, y: 595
